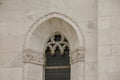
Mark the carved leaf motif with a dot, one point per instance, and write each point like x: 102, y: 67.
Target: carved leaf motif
x: 77, y: 56
x: 31, y: 56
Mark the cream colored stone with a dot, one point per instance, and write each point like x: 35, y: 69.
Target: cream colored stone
x: 109, y: 7
x: 90, y: 68
x: 116, y: 50
x: 113, y: 64
x: 11, y: 73
x: 36, y: 4
x: 104, y: 23
x: 115, y: 21
x: 90, y: 55
x: 39, y: 34
x: 63, y: 4
x: 10, y: 59
x: 12, y: 16
x: 103, y: 64
x: 32, y: 72
x: 114, y: 76
x: 10, y: 28
x: 81, y: 15
x: 90, y: 40
x: 11, y: 43
x: 104, y: 37
x: 18, y: 16
x: 105, y: 51
x: 108, y: 39
x: 103, y: 76
x: 82, y: 4
x: 90, y: 77
x: 75, y: 70
x: 11, y: 5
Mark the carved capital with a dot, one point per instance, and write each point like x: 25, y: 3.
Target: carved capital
x: 31, y: 56
x: 77, y: 56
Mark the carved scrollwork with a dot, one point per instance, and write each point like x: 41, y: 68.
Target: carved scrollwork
x: 31, y: 56
x: 77, y: 56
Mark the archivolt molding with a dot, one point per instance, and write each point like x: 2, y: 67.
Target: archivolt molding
x: 32, y: 56
x: 58, y: 15
x: 77, y: 56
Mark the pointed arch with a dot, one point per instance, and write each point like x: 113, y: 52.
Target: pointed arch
x: 48, y: 16
x: 73, y: 34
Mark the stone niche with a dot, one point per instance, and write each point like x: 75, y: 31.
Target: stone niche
x: 34, y: 48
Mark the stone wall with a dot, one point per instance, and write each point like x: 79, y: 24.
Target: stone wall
x: 16, y: 18
x: 109, y: 39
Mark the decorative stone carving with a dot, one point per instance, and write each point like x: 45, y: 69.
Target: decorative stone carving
x: 31, y: 56
x: 77, y: 56
x: 53, y: 43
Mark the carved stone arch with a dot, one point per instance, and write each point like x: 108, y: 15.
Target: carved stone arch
x: 48, y: 16
x: 51, y: 35
x: 51, y: 41
x: 33, y: 52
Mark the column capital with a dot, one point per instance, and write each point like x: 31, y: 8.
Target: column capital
x: 77, y: 56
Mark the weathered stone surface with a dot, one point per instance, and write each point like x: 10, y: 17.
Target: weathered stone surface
x: 108, y: 39
x: 18, y: 16
x: 11, y: 73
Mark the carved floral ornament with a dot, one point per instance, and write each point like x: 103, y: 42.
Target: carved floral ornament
x: 77, y: 56
x: 31, y: 56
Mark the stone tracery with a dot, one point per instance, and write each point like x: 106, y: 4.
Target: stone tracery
x: 57, y: 41
x: 39, y: 57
